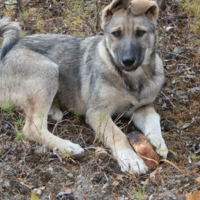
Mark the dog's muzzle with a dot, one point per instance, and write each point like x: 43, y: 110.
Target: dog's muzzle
x: 128, y: 64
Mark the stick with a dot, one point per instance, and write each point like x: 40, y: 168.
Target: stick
x: 174, y: 54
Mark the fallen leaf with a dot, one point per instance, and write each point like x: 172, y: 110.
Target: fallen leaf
x: 33, y: 196
x: 189, y: 197
x: 20, y: 179
x: 196, y: 195
x: 152, y: 176
x: 115, y: 183
x: 198, y: 179
x: 145, y: 182
x: 120, y: 178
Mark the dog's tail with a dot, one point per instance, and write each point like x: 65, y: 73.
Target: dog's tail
x: 10, y: 31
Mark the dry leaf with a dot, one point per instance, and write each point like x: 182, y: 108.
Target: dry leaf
x: 145, y: 182
x: 120, y: 178
x: 152, y: 176
x: 194, y: 196
x: 20, y: 179
x: 189, y: 197
x: 33, y: 196
x: 115, y: 183
x: 198, y: 179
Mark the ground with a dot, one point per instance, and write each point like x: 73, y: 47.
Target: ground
x: 28, y: 170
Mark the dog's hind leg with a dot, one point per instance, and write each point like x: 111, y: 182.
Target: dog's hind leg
x: 30, y: 81
x: 35, y: 129
x: 36, y: 92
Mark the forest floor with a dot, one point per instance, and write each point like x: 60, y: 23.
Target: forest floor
x: 27, y: 168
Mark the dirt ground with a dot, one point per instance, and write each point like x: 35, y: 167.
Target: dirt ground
x: 28, y: 170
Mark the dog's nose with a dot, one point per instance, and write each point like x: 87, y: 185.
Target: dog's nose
x: 128, y: 61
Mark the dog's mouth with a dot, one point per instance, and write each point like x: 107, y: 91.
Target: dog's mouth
x: 129, y: 69
x: 134, y: 67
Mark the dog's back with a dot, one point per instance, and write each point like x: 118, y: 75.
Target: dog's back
x: 18, y: 72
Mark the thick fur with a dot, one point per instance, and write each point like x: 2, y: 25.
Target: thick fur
x: 97, y: 76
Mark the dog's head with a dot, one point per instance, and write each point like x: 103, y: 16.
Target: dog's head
x: 129, y: 28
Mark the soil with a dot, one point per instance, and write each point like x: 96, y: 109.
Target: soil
x: 28, y: 171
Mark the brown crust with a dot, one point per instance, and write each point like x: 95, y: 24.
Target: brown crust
x: 143, y: 147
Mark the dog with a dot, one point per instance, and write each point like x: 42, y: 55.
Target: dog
x: 98, y: 76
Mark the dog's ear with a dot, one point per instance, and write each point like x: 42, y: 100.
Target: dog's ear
x: 109, y: 10
x: 152, y: 12
x: 147, y: 7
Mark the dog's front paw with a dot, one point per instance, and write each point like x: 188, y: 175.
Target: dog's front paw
x: 130, y: 162
x: 159, y: 144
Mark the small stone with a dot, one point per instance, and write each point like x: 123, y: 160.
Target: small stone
x: 39, y: 192
x: 168, y: 196
x: 197, y: 164
x: 79, y: 176
x: 50, y: 169
x: 79, y: 182
x: 106, y: 188
x: 7, y: 184
x: 70, y: 175
x: 55, y: 30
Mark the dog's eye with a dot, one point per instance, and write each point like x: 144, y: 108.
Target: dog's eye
x: 117, y: 34
x: 140, y: 33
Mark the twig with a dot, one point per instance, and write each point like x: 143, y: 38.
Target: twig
x: 20, y: 6
x: 10, y: 125
x: 19, y: 3
x: 98, y: 19
x: 174, y: 54
x: 82, y: 139
x: 121, y: 114
x: 52, y: 19
x: 123, y: 188
x: 76, y: 126
x: 168, y: 99
x: 167, y: 161
x: 4, y: 156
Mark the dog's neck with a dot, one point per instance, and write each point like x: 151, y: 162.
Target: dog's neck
x: 105, y: 55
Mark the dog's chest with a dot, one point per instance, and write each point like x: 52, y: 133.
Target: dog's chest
x: 138, y: 94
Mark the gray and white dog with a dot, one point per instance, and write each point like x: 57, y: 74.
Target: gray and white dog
x: 97, y: 76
